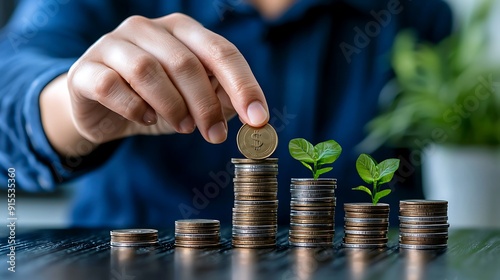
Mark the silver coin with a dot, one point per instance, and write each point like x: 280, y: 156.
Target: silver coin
x: 363, y: 246
x: 244, y: 232
x: 254, y: 227
x: 134, y: 237
x: 197, y: 223
x: 419, y: 202
x: 423, y: 235
x: 424, y: 226
x: 423, y: 219
x: 261, y: 202
x: 255, y: 235
x: 133, y: 244
x: 327, y: 199
x: 423, y: 247
x: 314, y: 181
x: 366, y: 232
x: 258, y: 211
x: 367, y: 220
x: 197, y: 235
x: 134, y: 232
x: 310, y: 244
x: 254, y: 161
x: 253, y: 165
x: 314, y: 195
x: 297, y: 225
x: 312, y: 213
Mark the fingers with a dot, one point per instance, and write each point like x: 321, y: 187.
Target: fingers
x: 225, y: 101
x: 170, y: 72
x: 226, y: 63
x: 145, y: 75
x: 187, y: 75
x: 97, y: 82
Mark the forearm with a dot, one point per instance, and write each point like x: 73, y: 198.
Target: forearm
x: 55, y: 109
x: 28, y: 62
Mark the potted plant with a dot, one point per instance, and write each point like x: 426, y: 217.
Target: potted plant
x: 367, y: 224
x: 312, y: 214
x: 445, y: 105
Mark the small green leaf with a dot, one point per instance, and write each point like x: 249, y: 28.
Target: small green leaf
x: 327, y: 151
x: 363, y: 188
x: 366, y: 168
x: 301, y: 150
x: 307, y: 165
x: 323, y: 171
x: 386, y: 170
x: 380, y: 194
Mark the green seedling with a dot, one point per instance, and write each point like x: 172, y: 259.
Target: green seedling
x: 316, y: 157
x: 375, y: 174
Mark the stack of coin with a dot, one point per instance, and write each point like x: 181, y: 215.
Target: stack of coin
x: 197, y: 233
x: 366, y: 225
x: 133, y: 237
x: 255, y: 211
x: 312, y: 214
x: 423, y: 224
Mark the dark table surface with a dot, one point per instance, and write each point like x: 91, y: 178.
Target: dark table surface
x: 86, y: 254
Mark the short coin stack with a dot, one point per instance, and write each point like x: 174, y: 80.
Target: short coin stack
x: 255, y: 211
x: 312, y: 214
x: 423, y: 224
x: 134, y: 237
x: 366, y: 225
x: 197, y: 233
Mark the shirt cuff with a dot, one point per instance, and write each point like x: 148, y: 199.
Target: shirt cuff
x: 36, y: 134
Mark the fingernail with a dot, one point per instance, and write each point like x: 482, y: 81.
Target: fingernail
x: 150, y: 117
x: 217, y: 133
x: 256, y: 113
x: 187, y: 125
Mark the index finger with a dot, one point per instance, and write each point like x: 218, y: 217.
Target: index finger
x: 226, y: 63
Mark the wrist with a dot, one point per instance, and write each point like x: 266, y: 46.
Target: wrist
x: 57, y: 121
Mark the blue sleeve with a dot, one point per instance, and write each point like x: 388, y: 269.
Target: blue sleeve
x: 432, y: 20
x: 41, y: 41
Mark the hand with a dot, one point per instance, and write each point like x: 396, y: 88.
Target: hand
x: 160, y: 76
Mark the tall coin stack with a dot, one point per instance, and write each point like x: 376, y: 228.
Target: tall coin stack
x: 255, y: 212
x: 423, y: 224
x: 366, y: 225
x: 197, y: 233
x: 312, y: 214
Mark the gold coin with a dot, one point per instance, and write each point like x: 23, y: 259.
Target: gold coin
x: 257, y: 142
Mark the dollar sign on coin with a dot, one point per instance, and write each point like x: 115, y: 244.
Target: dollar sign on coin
x: 257, y: 142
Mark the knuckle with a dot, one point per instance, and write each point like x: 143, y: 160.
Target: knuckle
x: 105, y: 84
x: 173, y: 108
x: 185, y: 62
x: 221, y: 50
x: 209, y: 110
x: 247, y: 89
x: 74, y: 75
x: 133, y: 108
x: 178, y: 16
x: 143, y: 67
x: 134, y: 21
x: 103, y: 39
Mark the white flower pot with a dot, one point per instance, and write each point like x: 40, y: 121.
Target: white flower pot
x: 469, y: 178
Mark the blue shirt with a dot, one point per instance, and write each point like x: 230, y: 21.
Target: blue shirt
x: 322, y: 65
